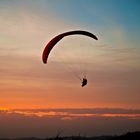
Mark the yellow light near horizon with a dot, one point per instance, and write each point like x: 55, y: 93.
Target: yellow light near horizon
x: 3, y: 109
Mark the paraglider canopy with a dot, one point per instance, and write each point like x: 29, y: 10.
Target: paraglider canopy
x: 57, y: 38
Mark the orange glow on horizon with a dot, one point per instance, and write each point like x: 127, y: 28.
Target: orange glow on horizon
x: 17, y: 103
x: 53, y: 103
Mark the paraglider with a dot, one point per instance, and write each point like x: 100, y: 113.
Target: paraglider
x: 57, y: 38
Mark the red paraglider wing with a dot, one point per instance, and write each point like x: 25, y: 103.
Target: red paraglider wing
x: 52, y: 43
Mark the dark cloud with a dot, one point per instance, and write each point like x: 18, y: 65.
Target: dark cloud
x: 19, y: 123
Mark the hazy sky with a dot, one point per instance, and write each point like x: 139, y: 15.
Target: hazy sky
x: 112, y: 63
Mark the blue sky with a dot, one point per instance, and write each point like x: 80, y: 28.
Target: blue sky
x: 98, y: 12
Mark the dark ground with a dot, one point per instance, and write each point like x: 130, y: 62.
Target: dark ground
x: 127, y: 136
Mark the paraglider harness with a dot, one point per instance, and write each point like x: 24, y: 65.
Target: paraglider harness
x: 84, y: 82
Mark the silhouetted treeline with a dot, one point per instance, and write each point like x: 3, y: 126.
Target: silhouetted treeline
x: 127, y: 136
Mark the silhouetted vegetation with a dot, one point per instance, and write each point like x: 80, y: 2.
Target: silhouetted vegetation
x: 127, y: 136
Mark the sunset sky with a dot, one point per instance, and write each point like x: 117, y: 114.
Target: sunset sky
x: 112, y: 63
